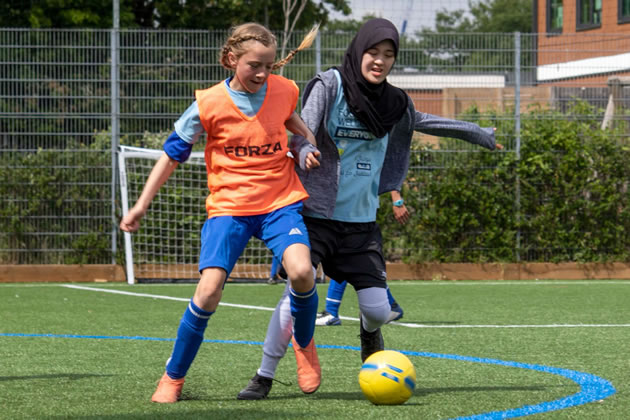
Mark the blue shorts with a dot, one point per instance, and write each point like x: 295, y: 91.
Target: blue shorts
x: 223, y: 238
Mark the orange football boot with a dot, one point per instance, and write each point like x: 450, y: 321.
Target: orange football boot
x: 168, y: 390
x: 308, y: 370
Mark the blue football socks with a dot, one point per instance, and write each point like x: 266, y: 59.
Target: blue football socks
x: 189, y: 338
x: 334, y: 297
x: 303, y: 311
x: 390, y: 297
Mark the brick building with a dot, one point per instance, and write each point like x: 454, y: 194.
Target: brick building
x: 582, y: 42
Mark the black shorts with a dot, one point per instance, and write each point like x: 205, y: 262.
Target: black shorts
x: 348, y: 251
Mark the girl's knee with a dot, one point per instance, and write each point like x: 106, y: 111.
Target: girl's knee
x: 374, y: 306
x: 299, y: 269
x: 376, y: 315
x: 296, y: 261
x: 301, y: 277
x: 210, y: 288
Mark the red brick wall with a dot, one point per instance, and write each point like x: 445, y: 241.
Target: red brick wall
x: 572, y: 44
x: 428, y: 101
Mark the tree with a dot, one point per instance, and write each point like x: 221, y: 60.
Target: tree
x: 454, y: 45
x: 487, y: 16
x: 348, y: 25
x: 221, y: 14
x: 164, y: 14
x: 61, y: 14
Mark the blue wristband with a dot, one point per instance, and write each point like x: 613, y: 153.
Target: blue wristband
x: 399, y: 203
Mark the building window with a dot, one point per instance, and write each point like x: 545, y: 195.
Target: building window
x: 624, y: 11
x: 554, y: 15
x: 589, y: 14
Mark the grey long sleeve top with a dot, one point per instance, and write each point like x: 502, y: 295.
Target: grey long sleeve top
x: 322, y: 183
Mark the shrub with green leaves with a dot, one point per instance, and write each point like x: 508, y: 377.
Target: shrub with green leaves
x: 565, y: 198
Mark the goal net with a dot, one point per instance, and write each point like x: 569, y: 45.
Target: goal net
x: 166, y: 247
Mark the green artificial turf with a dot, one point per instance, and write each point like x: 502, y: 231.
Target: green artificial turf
x: 76, y: 353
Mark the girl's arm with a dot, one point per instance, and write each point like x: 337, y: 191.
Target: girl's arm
x: 303, y: 143
x: 304, y: 146
x: 295, y: 125
x: 463, y: 130
x: 160, y: 173
x: 315, y: 105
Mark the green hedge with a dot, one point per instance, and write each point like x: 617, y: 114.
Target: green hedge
x: 573, y: 205
x: 571, y: 175
x: 57, y: 205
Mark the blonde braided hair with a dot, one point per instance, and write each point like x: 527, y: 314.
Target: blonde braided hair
x: 306, y: 42
x: 256, y: 32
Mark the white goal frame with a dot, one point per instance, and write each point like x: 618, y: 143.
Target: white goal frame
x: 169, y: 265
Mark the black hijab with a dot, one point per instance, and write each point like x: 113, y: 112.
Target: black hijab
x: 380, y: 106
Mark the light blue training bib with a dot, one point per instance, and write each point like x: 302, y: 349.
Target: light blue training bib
x: 361, y: 156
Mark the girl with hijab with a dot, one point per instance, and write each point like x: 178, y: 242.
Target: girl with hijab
x: 363, y: 126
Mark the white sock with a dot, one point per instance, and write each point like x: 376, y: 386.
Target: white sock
x: 279, y: 333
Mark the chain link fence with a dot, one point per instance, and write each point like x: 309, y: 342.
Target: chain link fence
x: 68, y: 98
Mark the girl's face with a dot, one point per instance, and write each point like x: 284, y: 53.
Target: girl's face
x: 252, y: 69
x: 377, y: 61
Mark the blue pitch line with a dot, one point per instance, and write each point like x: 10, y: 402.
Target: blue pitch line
x: 592, y: 388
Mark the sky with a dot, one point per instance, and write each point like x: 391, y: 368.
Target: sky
x: 409, y: 16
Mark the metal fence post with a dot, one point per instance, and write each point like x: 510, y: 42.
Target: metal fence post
x: 318, y: 52
x: 517, y: 133
x: 114, y: 46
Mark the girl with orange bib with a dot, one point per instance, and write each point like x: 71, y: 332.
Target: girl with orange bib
x: 254, y: 191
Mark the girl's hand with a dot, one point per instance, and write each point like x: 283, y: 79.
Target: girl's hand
x: 131, y: 222
x: 498, y: 145
x: 401, y: 214
x: 312, y: 160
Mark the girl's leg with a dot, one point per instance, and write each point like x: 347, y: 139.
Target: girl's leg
x: 279, y: 333
x: 273, y: 273
x: 334, y: 297
x: 194, y: 322
x: 303, y: 292
x: 375, y: 310
x: 214, y: 264
x: 374, y: 307
x: 303, y: 301
x: 284, y: 232
x: 397, y: 311
x: 190, y: 334
x: 330, y: 316
x: 390, y: 297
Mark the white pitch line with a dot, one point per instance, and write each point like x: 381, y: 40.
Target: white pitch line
x: 121, y: 292
x: 402, y: 324
x: 508, y: 282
